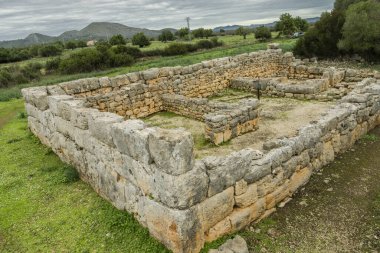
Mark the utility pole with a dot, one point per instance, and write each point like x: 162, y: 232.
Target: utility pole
x: 188, y: 26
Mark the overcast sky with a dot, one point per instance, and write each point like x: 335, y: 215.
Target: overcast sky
x: 52, y: 17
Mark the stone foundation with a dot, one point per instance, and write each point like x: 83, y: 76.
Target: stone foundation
x: 152, y: 172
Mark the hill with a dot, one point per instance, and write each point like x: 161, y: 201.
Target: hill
x: 96, y: 30
x: 235, y: 27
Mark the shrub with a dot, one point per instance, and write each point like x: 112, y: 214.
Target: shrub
x: 53, y: 64
x: 153, y: 52
x: 84, y: 61
x: 16, y: 74
x: 263, y: 33
x: 117, y: 40
x: 179, y: 49
x: 70, y: 45
x: 166, y: 35
x: 205, y: 44
x: 122, y: 59
x: 140, y: 40
x: 49, y: 50
x: 322, y: 39
x: 361, y: 33
x: 132, y: 51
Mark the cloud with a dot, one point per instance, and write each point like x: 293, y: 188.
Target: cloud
x: 51, y: 17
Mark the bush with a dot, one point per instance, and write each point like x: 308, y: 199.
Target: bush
x: 361, y: 33
x: 49, y: 50
x: 132, y: 51
x: 118, y: 60
x: 263, y: 33
x: 84, y: 61
x: 166, y: 35
x: 15, y: 74
x: 322, y: 39
x: 179, y: 49
x: 153, y: 52
x: 53, y: 64
x: 205, y: 44
x: 140, y: 40
x: 117, y: 40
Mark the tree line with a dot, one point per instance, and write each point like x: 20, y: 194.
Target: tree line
x: 352, y: 27
x: 9, y: 55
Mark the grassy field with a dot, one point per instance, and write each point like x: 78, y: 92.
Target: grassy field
x: 44, y: 207
x: 234, y: 45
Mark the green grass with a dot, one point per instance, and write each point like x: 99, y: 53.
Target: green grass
x: 229, y: 49
x: 44, y: 207
x: 370, y: 137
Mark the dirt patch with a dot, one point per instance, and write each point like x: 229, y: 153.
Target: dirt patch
x: 338, y: 211
x: 279, y: 118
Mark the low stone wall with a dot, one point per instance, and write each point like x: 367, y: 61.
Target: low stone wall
x: 137, y: 95
x: 282, y: 87
x: 224, y: 121
x: 153, y: 174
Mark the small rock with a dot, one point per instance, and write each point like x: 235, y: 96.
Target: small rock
x: 330, y: 189
x: 303, y: 203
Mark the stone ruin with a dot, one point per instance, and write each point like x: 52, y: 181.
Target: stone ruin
x: 96, y: 125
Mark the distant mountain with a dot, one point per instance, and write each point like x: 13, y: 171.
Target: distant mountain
x: 235, y: 27
x: 94, y: 31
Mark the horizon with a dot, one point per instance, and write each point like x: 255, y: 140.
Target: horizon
x: 21, y: 18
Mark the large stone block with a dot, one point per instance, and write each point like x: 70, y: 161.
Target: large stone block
x: 183, y: 191
x: 172, y: 150
x: 36, y: 96
x: 131, y: 138
x: 178, y: 230
x: 214, y: 209
x: 100, y: 125
x: 225, y: 172
x: 247, y: 198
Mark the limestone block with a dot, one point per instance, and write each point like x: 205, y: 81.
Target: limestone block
x: 150, y: 74
x: 64, y: 107
x: 183, y: 191
x: 131, y: 138
x: 299, y: 178
x: 247, y: 198
x: 172, y: 150
x: 54, y: 100
x: 79, y: 116
x: 54, y: 90
x: 214, y: 209
x: 221, y: 228
x: 238, y: 244
x: 100, y: 125
x: 36, y: 96
x: 178, y: 230
x: 241, y: 187
x: 225, y: 172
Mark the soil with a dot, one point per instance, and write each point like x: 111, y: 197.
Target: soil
x: 279, y: 118
x: 337, y: 211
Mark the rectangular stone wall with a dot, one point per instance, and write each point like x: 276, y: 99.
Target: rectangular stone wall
x: 152, y: 172
x: 224, y: 121
x: 137, y: 95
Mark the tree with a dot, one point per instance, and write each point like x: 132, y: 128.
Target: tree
x: 117, y: 40
x: 301, y: 24
x: 139, y: 39
x: 49, y: 50
x: 263, y: 33
x: 70, y: 45
x: 81, y: 44
x: 183, y: 32
x: 322, y: 39
x: 208, y: 33
x: 243, y: 31
x: 222, y: 32
x: 342, y: 5
x: 286, y: 26
x: 198, y: 33
x: 361, y: 30
x: 166, y: 35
